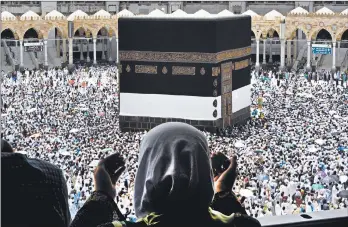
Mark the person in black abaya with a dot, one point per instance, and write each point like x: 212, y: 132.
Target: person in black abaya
x: 173, y: 185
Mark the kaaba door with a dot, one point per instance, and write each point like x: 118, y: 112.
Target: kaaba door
x: 226, y: 93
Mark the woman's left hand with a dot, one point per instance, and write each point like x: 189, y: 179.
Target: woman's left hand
x: 107, y: 173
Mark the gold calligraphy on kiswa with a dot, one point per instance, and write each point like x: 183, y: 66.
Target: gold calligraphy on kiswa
x: 183, y: 70
x: 148, y: 69
x: 215, y: 71
x: 232, y: 54
x: 241, y: 64
x: 226, y: 71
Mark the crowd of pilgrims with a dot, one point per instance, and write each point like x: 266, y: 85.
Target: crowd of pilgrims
x: 292, y: 153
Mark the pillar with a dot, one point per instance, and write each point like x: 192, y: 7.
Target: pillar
x: 117, y: 61
x: 45, y: 46
x: 264, y: 51
x: 70, y: 51
x: 338, y: 52
x: 334, y: 55
x: 88, y: 58
x: 110, y: 49
x: 295, y: 51
x: 308, y: 55
x: 94, y: 51
x: 21, y: 52
x: 64, y: 50
x: 58, y: 48
x: 288, y: 54
x: 270, y: 51
x: 103, y: 48
x: 81, y: 50
x: 282, y: 53
x: 16, y: 50
x: 257, y: 53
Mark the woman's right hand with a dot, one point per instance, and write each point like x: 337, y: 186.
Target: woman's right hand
x: 226, y: 180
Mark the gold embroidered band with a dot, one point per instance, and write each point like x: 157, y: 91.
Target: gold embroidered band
x: 241, y: 64
x: 187, y: 57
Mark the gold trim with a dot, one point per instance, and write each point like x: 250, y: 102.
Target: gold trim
x: 202, y: 71
x: 241, y: 64
x: 233, y: 54
x: 164, y: 70
x: 215, y: 71
x: 128, y: 69
x: 187, y: 57
x: 226, y: 71
x: 215, y: 83
x: 183, y: 70
x: 148, y: 69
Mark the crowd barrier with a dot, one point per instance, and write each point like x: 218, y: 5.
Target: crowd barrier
x: 330, y: 218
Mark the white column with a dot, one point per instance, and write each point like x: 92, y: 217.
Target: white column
x: 110, y: 49
x: 103, y: 48
x: 16, y: 50
x: 257, y: 53
x: 282, y: 53
x: 308, y: 54
x: 81, y: 50
x: 264, y: 51
x: 45, y: 46
x: 58, y: 48
x: 21, y: 51
x: 70, y: 51
x: 94, y: 51
x: 334, y: 55
x: 64, y: 50
x: 88, y: 58
x: 270, y: 51
x: 295, y: 51
x: 117, y: 60
x: 338, y: 52
x: 288, y: 54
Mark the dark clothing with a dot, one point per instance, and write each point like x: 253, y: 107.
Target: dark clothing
x: 101, y: 211
x: 5, y: 146
x: 173, y: 186
x: 34, y: 193
x: 97, y: 210
x: 227, y: 203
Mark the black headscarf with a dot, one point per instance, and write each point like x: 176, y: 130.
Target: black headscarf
x: 5, y: 146
x: 174, y: 173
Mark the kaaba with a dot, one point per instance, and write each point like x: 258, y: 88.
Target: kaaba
x: 189, y: 69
